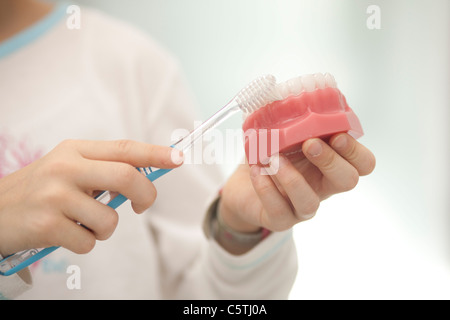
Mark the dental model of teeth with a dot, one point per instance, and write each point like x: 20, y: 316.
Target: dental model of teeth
x: 303, y: 107
x: 307, y: 83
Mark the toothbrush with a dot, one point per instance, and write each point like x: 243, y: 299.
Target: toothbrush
x: 255, y: 95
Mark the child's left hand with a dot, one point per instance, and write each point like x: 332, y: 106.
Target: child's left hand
x: 251, y: 200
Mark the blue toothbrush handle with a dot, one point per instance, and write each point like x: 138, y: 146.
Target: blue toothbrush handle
x: 120, y: 199
x: 20, y: 260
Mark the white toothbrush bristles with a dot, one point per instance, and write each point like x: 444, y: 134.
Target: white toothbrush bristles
x: 257, y: 94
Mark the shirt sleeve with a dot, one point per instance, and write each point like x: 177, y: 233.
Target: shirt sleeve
x: 254, y: 264
x: 14, y: 285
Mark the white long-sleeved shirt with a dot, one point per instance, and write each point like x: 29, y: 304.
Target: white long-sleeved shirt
x: 107, y: 81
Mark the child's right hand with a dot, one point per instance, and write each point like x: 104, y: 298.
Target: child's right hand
x: 41, y: 204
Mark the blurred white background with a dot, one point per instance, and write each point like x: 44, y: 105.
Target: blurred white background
x: 388, y: 238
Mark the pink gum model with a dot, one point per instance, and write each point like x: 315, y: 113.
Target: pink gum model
x: 320, y: 113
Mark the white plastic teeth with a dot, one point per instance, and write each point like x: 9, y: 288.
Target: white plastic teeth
x: 265, y: 90
x: 305, y: 83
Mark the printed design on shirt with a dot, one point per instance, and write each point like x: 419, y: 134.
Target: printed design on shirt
x: 49, y: 265
x: 16, y: 153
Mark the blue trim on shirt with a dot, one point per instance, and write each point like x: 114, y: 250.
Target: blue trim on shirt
x: 32, y: 33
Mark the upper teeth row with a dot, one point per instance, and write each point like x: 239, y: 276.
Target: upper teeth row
x: 308, y: 83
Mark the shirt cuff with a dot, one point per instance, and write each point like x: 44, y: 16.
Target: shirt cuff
x: 13, y: 286
x: 268, y: 245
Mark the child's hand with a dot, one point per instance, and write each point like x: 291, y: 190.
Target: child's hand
x: 41, y: 204
x: 251, y: 200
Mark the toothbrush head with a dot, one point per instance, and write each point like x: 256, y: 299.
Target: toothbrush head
x: 257, y: 94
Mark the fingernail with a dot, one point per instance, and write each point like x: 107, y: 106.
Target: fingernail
x: 177, y: 156
x: 340, y: 142
x: 274, y: 164
x: 277, y: 161
x: 308, y: 216
x: 315, y: 148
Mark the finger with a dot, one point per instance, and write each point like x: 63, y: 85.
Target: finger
x: 358, y: 155
x: 137, y: 154
x: 337, y: 171
x: 118, y: 177
x: 303, y: 198
x: 100, y: 219
x: 278, y: 213
x: 73, y: 237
